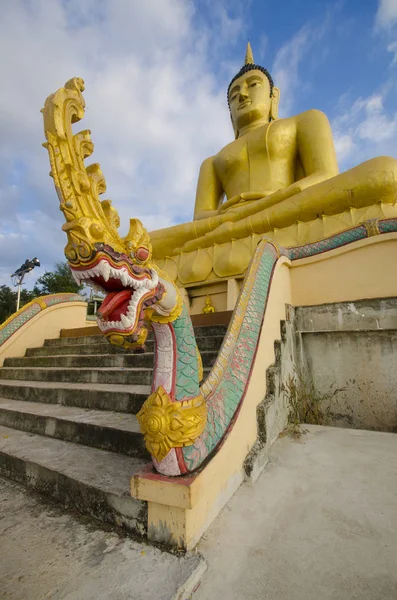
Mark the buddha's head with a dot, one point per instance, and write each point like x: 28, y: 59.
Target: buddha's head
x: 252, y: 95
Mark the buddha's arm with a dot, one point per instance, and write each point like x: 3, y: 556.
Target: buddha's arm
x: 316, y: 149
x: 209, y: 191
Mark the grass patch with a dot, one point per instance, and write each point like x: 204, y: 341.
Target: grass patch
x: 306, y: 403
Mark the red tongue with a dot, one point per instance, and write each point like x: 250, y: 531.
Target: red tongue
x: 112, y: 301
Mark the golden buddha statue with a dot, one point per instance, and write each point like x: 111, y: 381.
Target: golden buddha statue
x: 278, y: 178
x: 209, y: 308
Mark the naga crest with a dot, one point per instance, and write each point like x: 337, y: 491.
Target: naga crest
x: 97, y: 255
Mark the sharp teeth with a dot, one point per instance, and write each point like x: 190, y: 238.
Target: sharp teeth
x: 151, y: 284
x: 125, y: 321
x: 124, y: 278
x: 75, y: 277
x: 105, y: 268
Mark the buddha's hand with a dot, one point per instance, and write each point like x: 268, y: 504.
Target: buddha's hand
x: 241, y: 198
x: 277, y: 197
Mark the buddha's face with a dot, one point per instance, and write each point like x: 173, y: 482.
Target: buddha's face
x: 249, y: 98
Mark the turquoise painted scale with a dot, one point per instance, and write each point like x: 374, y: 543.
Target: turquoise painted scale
x: 224, y: 395
x: 187, y: 374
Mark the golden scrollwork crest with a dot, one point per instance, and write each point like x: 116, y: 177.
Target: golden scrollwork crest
x: 166, y: 424
x: 88, y: 219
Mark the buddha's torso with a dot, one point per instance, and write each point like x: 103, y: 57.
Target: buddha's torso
x: 263, y: 160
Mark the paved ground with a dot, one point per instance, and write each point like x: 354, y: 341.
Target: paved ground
x: 48, y: 554
x: 319, y: 524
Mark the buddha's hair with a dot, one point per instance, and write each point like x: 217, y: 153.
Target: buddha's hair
x: 245, y: 69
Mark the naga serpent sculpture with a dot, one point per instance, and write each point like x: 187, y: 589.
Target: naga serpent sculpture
x: 183, y: 423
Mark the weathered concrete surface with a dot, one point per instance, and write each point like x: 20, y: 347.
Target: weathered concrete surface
x: 352, y: 345
x: 372, y: 313
x: 48, y: 554
x: 362, y: 362
x: 99, y: 396
x: 108, y: 430
x: 272, y: 412
x: 319, y: 523
x: 95, y: 482
x: 101, y: 346
x: 97, y: 360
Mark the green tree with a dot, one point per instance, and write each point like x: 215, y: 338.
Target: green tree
x: 56, y: 282
x: 8, y: 301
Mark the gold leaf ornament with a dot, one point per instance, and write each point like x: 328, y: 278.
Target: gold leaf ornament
x: 88, y: 219
x: 166, y: 424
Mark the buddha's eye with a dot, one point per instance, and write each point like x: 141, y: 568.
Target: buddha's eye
x: 253, y: 84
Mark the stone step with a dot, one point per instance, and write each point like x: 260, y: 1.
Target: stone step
x: 109, y: 375
x: 92, y: 481
x: 212, y: 342
x: 141, y: 376
x: 114, y: 431
x: 97, y: 396
x: 96, y: 360
x: 98, y: 339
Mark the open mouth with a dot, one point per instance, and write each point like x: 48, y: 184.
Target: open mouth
x: 126, y: 298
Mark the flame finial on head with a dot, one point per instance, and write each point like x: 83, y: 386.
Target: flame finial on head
x: 249, y: 57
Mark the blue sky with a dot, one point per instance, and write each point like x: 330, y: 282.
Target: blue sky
x: 156, y: 75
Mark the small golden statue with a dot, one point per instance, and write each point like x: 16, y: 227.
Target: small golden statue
x: 209, y: 308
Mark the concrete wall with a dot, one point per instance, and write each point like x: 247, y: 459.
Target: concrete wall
x: 352, y: 345
x: 368, y: 314
x: 365, y: 269
x: 273, y: 411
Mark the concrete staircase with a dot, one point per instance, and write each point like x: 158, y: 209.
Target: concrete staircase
x: 68, y: 426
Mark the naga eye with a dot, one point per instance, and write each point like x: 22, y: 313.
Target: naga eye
x: 142, y: 254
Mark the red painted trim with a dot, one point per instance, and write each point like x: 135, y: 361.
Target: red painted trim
x: 173, y: 361
x: 151, y: 474
x: 181, y: 461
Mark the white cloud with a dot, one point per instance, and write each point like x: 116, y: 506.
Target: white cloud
x: 386, y: 15
x: 385, y: 21
x: 153, y: 105
x: 365, y: 130
x: 344, y: 146
x: 392, y: 48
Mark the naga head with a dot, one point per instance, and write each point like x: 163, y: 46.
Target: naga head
x: 97, y: 255
x: 128, y: 279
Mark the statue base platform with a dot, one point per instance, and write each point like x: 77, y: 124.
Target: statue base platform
x: 219, y: 269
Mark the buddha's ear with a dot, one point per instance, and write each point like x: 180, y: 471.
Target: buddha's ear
x: 274, y: 104
x: 236, y: 132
